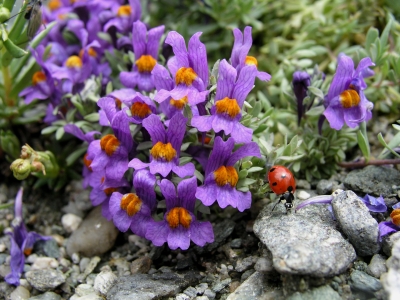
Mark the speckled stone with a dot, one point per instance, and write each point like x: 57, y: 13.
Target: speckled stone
x: 356, y: 222
x: 301, y: 244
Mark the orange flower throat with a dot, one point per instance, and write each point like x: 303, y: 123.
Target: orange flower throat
x: 131, y: 203
x: 179, y: 216
x: 226, y: 175
x: 109, y: 144
x: 227, y: 106
x: 161, y: 151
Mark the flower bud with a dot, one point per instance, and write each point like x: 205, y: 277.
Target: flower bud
x: 21, y: 168
x: 4, y: 14
x: 301, y: 81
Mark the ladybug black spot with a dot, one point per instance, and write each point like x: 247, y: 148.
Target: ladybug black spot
x: 274, y: 184
x: 273, y: 169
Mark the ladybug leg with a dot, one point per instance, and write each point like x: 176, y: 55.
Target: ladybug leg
x: 280, y: 199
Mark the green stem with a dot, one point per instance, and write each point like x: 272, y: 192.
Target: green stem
x: 9, y: 4
x: 7, y: 81
x: 7, y: 205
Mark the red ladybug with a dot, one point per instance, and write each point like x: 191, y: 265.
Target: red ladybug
x: 282, y: 183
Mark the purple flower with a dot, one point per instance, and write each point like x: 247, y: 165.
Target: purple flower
x: 164, y: 155
x: 221, y: 176
x: 134, y: 210
x: 390, y: 226
x: 189, y: 69
x: 346, y: 102
x: 231, y: 94
x: 145, y: 45
x: 75, y: 70
x: 139, y: 105
x: 102, y: 190
x: 125, y: 15
x: 43, y: 86
x: 301, y: 81
x: 87, y: 137
x: 180, y: 226
x: 241, y: 47
x: 374, y: 204
x: 113, y: 151
x: 22, y: 242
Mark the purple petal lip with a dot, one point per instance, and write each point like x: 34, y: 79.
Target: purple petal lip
x: 324, y: 199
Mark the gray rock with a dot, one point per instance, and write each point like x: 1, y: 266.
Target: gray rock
x: 323, y: 292
x: 141, y: 265
x: 182, y: 297
x: 373, y: 180
x: 364, y: 285
x: 191, y: 292
x: 264, y: 264
x: 256, y: 287
x: 302, y: 245
x: 324, y: 187
x: 146, y: 287
x: 356, y: 222
x: 201, y: 288
x: 391, y: 279
x: 47, y: 248
x: 44, y: 280
x: 220, y: 285
x: 377, y: 266
x: 210, y: 294
x: 246, y: 274
x: 94, y: 228
x: 388, y: 241
x: 5, y: 289
x: 236, y: 243
x: 245, y: 263
x: 46, y: 296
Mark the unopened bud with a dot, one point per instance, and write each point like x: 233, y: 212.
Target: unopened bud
x: 21, y: 168
x: 4, y: 14
x: 26, y: 151
x: 37, y: 166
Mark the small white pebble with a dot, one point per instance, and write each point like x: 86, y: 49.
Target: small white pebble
x: 303, y: 195
x: 104, y: 281
x: 75, y: 258
x: 70, y: 222
x: 42, y: 263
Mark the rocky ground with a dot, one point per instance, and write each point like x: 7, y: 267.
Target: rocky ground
x: 258, y: 254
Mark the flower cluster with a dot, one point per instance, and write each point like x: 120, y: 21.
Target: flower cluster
x: 165, y: 134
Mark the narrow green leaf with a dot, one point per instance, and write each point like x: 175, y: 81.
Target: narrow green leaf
x: 59, y: 133
x: 254, y: 169
x: 93, y: 117
x: 316, y: 91
x: 363, y: 144
x: 260, y: 128
x: 71, y: 159
x: 386, y: 31
x: 372, y: 34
